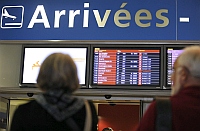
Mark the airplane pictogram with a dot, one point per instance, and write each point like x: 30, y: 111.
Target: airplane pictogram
x: 12, y: 17
x: 7, y: 15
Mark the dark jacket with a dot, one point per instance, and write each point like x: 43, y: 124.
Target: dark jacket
x: 185, y: 112
x: 32, y: 117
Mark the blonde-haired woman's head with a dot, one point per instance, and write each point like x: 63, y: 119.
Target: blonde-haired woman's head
x: 58, y: 71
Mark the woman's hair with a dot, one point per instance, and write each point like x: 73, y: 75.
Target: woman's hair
x: 58, y: 71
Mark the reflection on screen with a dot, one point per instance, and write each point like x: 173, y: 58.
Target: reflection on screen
x: 33, y: 58
x: 172, y: 54
x: 126, y: 67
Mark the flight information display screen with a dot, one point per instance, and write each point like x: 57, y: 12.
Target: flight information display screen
x: 172, y: 54
x: 126, y: 66
x: 33, y: 57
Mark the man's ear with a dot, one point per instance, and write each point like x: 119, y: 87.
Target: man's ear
x: 183, y: 74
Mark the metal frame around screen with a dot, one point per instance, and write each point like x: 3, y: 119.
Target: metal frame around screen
x: 160, y: 47
x: 57, y: 45
x: 175, y: 45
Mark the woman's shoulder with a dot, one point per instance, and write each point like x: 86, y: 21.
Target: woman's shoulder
x: 32, y: 104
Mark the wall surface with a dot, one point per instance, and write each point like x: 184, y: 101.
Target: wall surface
x: 119, y: 117
x: 10, y: 58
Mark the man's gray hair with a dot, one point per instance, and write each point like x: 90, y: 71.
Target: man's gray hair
x: 190, y: 58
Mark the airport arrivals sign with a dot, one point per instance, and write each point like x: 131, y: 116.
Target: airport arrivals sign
x: 99, y: 20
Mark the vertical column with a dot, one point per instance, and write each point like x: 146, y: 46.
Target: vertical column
x: 107, y: 67
x: 146, y: 75
x: 169, y: 65
x: 154, y: 66
x: 96, y: 65
x: 140, y: 69
x: 134, y: 67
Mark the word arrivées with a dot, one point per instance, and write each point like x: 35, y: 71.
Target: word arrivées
x: 122, y: 17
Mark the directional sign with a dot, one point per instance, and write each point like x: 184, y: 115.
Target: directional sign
x: 100, y: 20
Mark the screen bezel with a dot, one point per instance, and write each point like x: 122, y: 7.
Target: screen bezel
x: 34, y: 85
x: 134, y: 46
x: 166, y: 47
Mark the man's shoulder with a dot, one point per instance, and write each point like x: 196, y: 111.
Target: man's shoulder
x: 151, y: 109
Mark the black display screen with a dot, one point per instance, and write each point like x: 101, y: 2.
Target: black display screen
x: 126, y: 66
